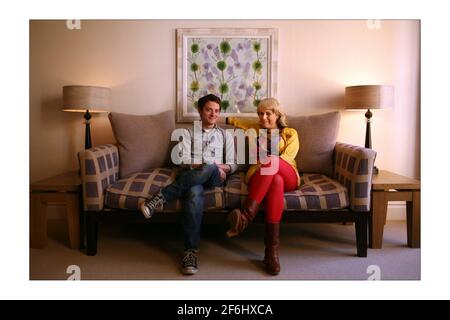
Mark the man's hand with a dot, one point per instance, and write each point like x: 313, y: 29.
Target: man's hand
x: 224, y: 167
x: 223, y: 175
x: 223, y: 170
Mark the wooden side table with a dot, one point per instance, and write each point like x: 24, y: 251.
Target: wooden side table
x: 63, y: 189
x: 388, y: 186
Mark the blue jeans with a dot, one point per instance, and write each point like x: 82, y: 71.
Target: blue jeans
x: 189, y: 186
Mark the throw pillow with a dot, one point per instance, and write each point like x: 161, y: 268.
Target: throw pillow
x: 317, y: 135
x: 143, y: 141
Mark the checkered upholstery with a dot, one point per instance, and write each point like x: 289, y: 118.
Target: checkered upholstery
x: 349, y: 186
x: 99, y: 168
x: 316, y: 192
x: 353, y: 168
x: 130, y: 192
x: 236, y: 190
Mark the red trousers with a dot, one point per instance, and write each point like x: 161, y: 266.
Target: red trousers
x: 271, y: 188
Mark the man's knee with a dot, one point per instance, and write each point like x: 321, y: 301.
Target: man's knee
x: 210, y: 167
x: 210, y: 171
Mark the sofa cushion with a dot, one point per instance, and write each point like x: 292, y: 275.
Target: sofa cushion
x: 317, y: 135
x: 316, y: 192
x: 143, y: 141
x: 129, y: 193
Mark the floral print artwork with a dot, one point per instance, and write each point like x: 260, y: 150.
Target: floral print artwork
x: 234, y: 69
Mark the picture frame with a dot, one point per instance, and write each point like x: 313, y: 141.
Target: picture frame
x: 238, y: 65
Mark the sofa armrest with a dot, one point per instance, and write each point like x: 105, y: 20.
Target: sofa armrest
x: 352, y: 167
x: 99, y: 168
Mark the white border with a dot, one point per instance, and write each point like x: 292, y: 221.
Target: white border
x: 435, y: 177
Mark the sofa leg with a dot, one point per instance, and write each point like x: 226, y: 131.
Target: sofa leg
x: 361, y: 226
x: 91, y: 233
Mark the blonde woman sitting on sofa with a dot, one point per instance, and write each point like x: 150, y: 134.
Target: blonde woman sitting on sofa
x: 266, y: 185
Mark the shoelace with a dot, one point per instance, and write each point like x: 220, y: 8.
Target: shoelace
x: 156, y: 201
x: 190, y: 259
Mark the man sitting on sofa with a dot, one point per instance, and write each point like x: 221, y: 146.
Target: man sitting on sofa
x: 215, y: 145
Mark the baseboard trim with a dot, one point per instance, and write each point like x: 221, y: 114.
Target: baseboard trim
x: 56, y: 212
x: 396, y: 211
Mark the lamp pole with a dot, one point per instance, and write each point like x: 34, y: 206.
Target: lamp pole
x: 368, y: 143
x: 87, y: 138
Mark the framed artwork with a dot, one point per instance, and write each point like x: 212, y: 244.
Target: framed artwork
x: 237, y: 65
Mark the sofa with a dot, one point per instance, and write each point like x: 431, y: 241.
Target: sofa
x: 116, y: 178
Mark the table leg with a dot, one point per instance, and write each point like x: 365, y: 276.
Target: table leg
x: 38, y: 221
x: 73, y: 219
x: 413, y: 220
x: 379, y: 211
x: 82, y: 221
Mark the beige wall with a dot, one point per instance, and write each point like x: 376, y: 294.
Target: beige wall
x: 317, y: 59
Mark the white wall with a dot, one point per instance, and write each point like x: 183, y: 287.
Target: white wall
x: 317, y: 59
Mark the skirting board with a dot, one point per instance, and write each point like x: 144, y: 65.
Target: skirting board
x: 56, y: 212
x: 396, y: 211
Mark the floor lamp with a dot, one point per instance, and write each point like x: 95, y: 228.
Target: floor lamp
x: 368, y: 97
x: 87, y: 99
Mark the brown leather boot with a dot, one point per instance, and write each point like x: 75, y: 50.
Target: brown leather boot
x: 239, y: 219
x: 272, y: 241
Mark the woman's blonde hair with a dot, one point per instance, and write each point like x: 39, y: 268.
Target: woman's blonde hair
x: 273, y: 105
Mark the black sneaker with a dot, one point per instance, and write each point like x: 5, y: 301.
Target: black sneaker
x: 189, y: 264
x: 149, y: 207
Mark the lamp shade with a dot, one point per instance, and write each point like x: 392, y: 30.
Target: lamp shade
x: 82, y: 98
x: 369, y: 97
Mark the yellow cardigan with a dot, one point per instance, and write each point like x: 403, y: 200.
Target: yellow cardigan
x: 288, y: 145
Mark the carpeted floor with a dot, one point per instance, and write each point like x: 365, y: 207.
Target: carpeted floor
x: 154, y: 251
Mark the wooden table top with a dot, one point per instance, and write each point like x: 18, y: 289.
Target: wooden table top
x: 389, y: 180
x: 65, y: 182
